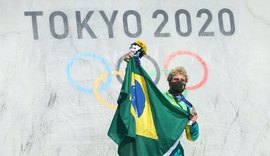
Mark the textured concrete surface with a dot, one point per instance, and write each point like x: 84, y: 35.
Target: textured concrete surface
x: 53, y: 54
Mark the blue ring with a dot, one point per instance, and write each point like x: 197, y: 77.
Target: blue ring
x: 100, y: 59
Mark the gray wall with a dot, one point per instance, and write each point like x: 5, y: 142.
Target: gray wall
x: 54, y: 99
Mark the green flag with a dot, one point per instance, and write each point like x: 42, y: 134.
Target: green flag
x: 145, y: 123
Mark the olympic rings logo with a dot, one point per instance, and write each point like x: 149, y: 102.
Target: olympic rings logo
x: 99, y: 87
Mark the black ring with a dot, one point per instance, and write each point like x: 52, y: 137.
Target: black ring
x: 149, y: 58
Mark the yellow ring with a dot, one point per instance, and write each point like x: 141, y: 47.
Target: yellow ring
x: 97, y: 83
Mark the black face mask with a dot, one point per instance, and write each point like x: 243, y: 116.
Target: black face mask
x: 177, y: 87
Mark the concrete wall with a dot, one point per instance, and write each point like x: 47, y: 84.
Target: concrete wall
x: 54, y: 99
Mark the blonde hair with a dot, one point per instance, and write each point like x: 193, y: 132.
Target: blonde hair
x: 176, y: 71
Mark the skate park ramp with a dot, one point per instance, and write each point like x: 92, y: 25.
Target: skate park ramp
x: 61, y: 65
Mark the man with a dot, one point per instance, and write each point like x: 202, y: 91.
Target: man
x: 177, y: 80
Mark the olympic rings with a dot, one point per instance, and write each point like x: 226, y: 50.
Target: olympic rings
x: 109, y: 74
x: 96, y: 84
x: 205, y: 69
x: 96, y: 56
x: 149, y: 58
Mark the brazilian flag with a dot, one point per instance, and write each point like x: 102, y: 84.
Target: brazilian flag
x: 145, y: 123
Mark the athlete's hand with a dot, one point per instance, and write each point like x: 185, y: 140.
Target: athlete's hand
x: 128, y: 56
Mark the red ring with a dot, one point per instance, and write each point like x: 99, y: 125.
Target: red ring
x: 205, y: 69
